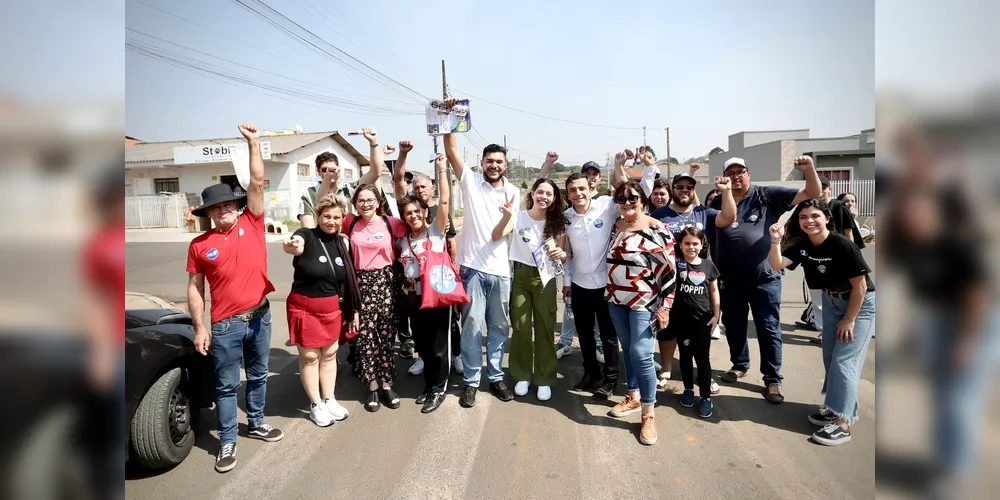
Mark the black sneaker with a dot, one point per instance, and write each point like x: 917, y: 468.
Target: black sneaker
x: 588, y: 383
x: 823, y: 418
x: 406, y: 350
x: 501, y: 390
x: 422, y: 398
x: 266, y: 432
x: 606, y: 390
x: 807, y: 325
x: 468, y: 399
x: 226, y: 459
x: 832, y: 435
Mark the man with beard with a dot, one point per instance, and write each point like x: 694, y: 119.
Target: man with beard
x: 683, y: 212
x: 233, y: 258
x: 748, y: 283
x: 484, y: 266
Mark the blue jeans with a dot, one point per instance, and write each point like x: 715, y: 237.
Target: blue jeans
x: 960, y: 395
x: 845, y: 362
x: 569, y: 328
x: 235, y: 342
x: 489, y: 306
x: 637, y: 340
x: 764, y: 300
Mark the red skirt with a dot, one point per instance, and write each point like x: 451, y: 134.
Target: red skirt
x: 313, y: 322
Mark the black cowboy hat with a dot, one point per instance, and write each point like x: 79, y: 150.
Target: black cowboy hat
x: 215, y: 194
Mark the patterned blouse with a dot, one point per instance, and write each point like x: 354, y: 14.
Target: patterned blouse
x: 641, y: 269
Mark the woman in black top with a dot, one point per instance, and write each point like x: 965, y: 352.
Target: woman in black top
x: 322, y: 305
x: 832, y: 263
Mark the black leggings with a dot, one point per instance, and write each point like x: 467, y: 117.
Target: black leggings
x: 432, y: 335
x: 694, y: 341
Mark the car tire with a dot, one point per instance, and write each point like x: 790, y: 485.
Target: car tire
x: 162, y: 434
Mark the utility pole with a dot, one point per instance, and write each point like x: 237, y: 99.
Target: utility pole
x: 643, y: 136
x: 611, y: 171
x: 437, y: 175
x: 668, y: 143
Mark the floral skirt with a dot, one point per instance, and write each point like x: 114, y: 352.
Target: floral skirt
x: 377, y: 289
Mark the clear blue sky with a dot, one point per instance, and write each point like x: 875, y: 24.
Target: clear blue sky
x: 705, y: 69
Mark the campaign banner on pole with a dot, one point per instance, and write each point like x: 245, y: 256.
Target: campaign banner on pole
x: 442, y: 120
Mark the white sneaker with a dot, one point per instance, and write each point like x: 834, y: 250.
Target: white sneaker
x: 544, y: 393
x: 717, y: 333
x: 457, y: 364
x: 417, y: 367
x: 320, y: 415
x: 521, y: 388
x: 563, y: 350
x: 336, y: 410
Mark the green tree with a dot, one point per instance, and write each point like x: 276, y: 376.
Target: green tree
x: 524, y: 184
x: 716, y: 150
x: 673, y: 161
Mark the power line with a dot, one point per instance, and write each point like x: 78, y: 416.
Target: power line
x: 532, y: 113
x: 284, y: 59
x: 282, y: 23
x: 217, y: 73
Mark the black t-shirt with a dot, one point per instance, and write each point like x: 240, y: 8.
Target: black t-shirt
x: 842, y: 218
x: 432, y: 211
x: 831, y: 265
x: 313, y: 276
x: 692, y: 300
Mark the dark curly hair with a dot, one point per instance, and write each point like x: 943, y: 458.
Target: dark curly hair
x: 555, y: 223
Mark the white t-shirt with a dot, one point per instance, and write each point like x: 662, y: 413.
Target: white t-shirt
x: 410, y: 250
x: 526, y: 236
x: 476, y: 248
x: 588, y: 237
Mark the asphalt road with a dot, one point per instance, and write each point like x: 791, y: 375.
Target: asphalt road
x: 563, y: 448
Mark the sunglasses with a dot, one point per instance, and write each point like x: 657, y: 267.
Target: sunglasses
x: 623, y: 199
x: 684, y: 187
x: 735, y: 174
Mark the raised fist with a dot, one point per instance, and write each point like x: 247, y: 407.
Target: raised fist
x: 451, y: 102
x: 249, y: 131
x: 440, y: 162
x: 551, y: 157
x: 723, y: 184
x: 620, y: 158
x: 694, y: 168
x: 629, y: 154
x: 777, y: 231
x: 388, y: 150
x: 647, y: 158
x: 803, y: 163
x: 405, y: 147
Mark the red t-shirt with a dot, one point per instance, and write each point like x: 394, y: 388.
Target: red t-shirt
x: 104, y: 270
x: 235, y: 264
x: 373, y: 246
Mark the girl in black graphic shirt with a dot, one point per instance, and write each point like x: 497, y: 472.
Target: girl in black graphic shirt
x: 693, y: 316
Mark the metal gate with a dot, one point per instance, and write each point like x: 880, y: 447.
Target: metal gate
x: 155, y: 210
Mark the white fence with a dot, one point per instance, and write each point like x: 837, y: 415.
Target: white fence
x: 155, y: 210
x: 864, y: 190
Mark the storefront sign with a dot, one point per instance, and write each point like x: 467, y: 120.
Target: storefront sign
x: 215, y: 153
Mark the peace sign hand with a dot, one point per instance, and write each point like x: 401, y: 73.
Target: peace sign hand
x: 508, y: 208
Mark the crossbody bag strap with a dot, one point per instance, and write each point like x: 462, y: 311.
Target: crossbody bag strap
x: 336, y: 282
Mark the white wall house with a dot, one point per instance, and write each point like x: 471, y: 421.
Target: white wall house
x: 188, y: 167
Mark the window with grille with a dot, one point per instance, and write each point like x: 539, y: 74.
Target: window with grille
x: 169, y: 185
x: 303, y: 169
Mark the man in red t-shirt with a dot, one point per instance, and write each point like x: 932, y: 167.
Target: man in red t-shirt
x: 233, y: 257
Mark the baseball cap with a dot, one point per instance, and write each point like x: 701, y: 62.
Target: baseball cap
x: 824, y: 181
x: 589, y: 165
x: 408, y: 176
x: 734, y: 161
x: 683, y: 176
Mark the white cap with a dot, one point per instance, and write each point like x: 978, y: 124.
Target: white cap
x: 734, y: 161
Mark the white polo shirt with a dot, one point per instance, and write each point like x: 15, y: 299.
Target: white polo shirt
x: 482, y: 202
x: 589, y: 236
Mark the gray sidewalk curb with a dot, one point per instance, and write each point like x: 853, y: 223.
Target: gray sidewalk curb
x: 152, y: 298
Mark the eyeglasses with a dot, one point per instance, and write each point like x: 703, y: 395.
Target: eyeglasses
x: 370, y: 201
x: 684, y: 187
x: 622, y: 199
x: 738, y: 173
